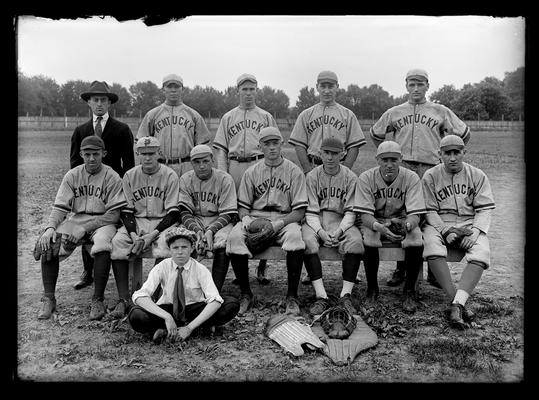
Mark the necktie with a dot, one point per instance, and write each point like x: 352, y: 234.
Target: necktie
x: 178, y: 303
x: 98, y: 127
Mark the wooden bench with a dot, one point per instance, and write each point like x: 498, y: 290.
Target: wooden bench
x: 388, y: 252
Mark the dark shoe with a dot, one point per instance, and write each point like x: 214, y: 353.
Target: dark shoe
x: 319, y: 306
x: 86, y: 279
x: 372, y: 297
x: 235, y: 281
x: 455, y: 316
x: 346, y: 301
x: 97, y: 310
x: 432, y: 280
x: 159, y: 336
x: 292, y: 305
x: 397, y: 278
x: 48, y: 306
x: 409, y: 303
x: 246, y: 303
x: 120, y: 310
x: 467, y: 315
x: 261, y: 274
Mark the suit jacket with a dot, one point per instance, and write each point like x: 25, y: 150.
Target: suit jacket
x: 118, y: 140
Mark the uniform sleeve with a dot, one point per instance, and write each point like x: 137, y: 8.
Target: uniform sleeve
x: 202, y: 134
x: 298, y: 137
x: 172, y: 194
x: 365, y: 196
x: 185, y: 199
x: 356, y: 138
x: 220, y: 141
x: 383, y: 126
x: 64, y: 197
x: 453, y: 125
x: 414, y: 201
x: 351, y: 196
x: 128, y: 194
x: 245, y: 190
x: 271, y: 121
x: 298, y: 189
x: 147, y: 127
x: 115, y: 199
x: 228, y: 200
x: 313, y: 209
x: 429, y: 189
x: 483, y: 200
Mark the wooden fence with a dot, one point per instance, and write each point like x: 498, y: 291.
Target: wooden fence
x: 69, y: 123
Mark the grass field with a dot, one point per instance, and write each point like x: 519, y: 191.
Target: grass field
x: 418, y: 348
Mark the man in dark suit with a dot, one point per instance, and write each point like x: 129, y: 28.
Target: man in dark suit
x: 118, y: 140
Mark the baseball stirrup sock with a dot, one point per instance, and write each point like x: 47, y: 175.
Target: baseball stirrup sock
x: 219, y: 268
x: 313, y: 265
x: 371, y: 260
x: 413, y: 261
x: 120, y: 269
x: 350, y: 266
x: 49, y: 276
x: 101, y: 273
x: 240, y: 266
x: 294, y: 265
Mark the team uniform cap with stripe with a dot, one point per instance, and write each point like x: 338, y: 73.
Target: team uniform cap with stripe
x: 418, y: 74
x: 451, y: 142
x: 244, y: 78
x: 387, y: 149
x: 172, y: 78
x: 199, y: 151
x: 269, y: 132
x: 92, y: 142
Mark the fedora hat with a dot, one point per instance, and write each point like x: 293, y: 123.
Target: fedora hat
x: 99, y: 89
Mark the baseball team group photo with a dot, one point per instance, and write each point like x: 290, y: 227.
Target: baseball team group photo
x: 238, y: 245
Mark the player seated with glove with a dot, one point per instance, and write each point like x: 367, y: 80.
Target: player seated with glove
x: 272, y: 189
x: 391, y: 203
x: 459, y: 202
x: 329, y: 219
x: 189, y: 298
x: 151, y: 190
x: 92, y: 192
x: 208, y: 204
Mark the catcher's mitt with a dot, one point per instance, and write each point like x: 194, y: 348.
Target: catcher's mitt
x: 398, y: 226
x: 460, y: 232
x: 260, y: 235
x: 52, y: 252
x: 337, y: 322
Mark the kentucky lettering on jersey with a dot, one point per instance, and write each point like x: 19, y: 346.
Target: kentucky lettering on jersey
x: 270, y: 183
x: 325, y: 120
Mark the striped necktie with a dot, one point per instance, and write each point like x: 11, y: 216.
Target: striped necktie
x: 98, y: 128
x: 178, y: 301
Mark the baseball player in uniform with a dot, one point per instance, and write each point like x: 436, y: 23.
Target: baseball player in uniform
x: 177, y: 126
x: 92, y: 192
x: 418, y: 126
x: 273, y: 188
x: 457, y: 194
x: 329, y: 218
x: 208, y: 205
x: 323, y: 120
x: 236, y: 139
x: 151, y: 190
x: 385, y: 192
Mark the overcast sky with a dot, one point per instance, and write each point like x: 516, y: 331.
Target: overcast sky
x: 284, y: 52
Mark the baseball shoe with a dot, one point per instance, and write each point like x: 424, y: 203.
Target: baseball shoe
x: 319, y: 306
x: 97, y: 310
x: 455, y: 316
x: 346, y: 301
x: 409, y: 303
x: 397, y: 278
x: 246, y: 303
x: 292, y: 305
x: 467, y: 314
x: 261, y: 273
x: 48, y: 306
x: 120, y: 310
x: 86, y: 279
x: 159, y: 336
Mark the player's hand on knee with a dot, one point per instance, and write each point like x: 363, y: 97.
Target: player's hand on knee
x: 209, y: 240
x: 77, y: 234
x: 45, y: 239
x: 384, y: 230
x: 326, y: 239
x: 468, y: 241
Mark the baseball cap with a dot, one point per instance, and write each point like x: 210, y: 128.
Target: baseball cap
x: 172, y: 78
x: 245, y: 77
x: 269, y: 132
x: 332, y: 144
x: 92, y: 142
x: 180, y: 232
x: 199, y: 151
x: 450, y: 142
x: 417, y: 73
x: 388, y: 148
x: 327, y: 76
x: 147, y: 142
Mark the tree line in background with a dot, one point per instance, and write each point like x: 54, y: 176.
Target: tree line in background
x: 490, y: 99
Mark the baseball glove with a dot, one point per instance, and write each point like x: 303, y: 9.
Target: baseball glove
x: 337, y: 322
x: 260, y: 235
x: 460, y: 232
x: 398, y: 226
x: 52, y: 252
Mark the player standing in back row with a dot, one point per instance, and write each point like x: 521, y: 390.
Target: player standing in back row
x: 236, y: 140
x: 418, y: 126
x: 177, y: 126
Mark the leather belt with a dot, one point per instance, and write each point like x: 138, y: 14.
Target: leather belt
x: 246, y: 159
x: 173, y: 160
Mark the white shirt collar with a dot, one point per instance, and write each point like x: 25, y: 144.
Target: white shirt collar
x: 186, y: 266
x: 104, y: 116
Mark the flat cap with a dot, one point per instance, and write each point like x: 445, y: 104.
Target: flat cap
x: 180, y: 232
x: 92, y: 142
x: 451, y: 142
x: 388, y: 148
